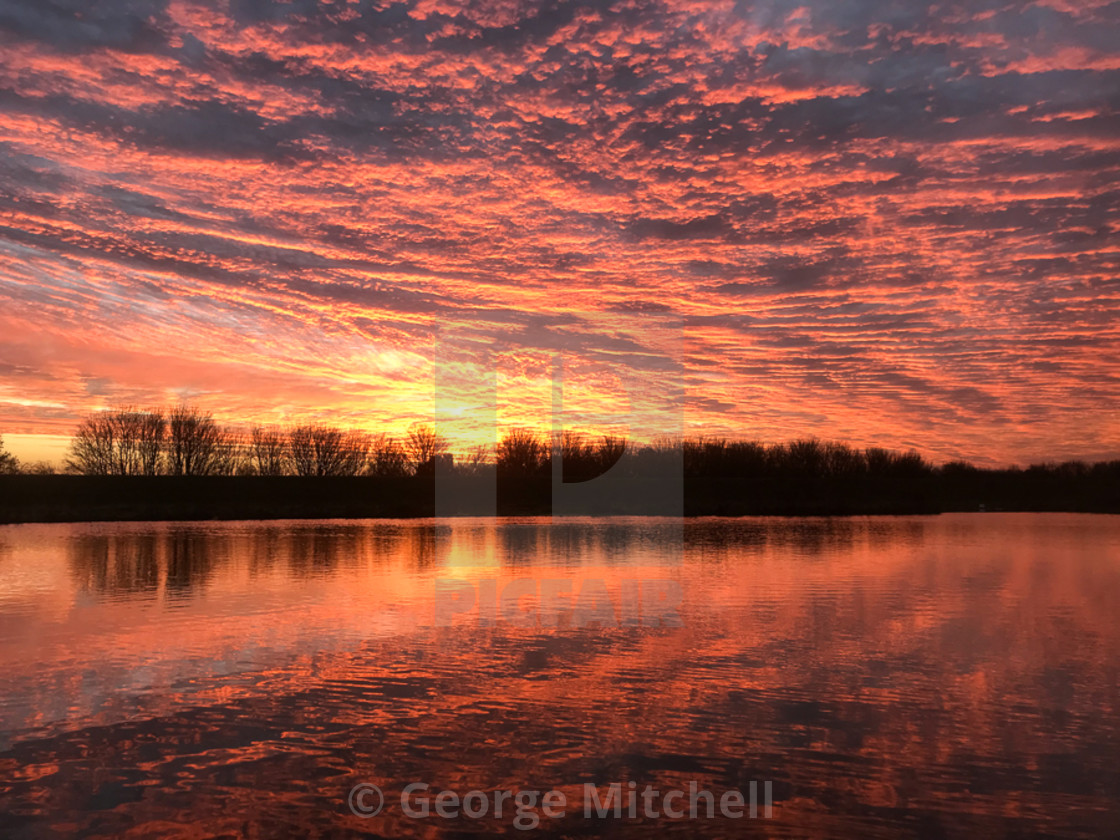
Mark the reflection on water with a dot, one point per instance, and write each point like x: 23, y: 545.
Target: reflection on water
x: 914, y: 677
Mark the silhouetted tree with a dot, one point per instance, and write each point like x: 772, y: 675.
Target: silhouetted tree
x: 608, y: 450
x: 196, y: 444
x: 9, y: 463
x: 387, y: 458
x: 142, y: 435
x: 522, y: 452
x: 583, y: 459
x: 577, y: 456
x: 301, y: 446
x: 802, y: 457
x: 719, y: 457
x: 574, y: 446
x: 92, y: 446
x: 268, y: 451
x: 352, y: 457
x: 423, y: 445
x: 120, y: 442
x: 318, y: 450
x: 843, y: 462
x: 884, y: 462
x: 237, y: 454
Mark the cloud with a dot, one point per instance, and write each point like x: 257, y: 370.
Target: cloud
x: 879, y: 221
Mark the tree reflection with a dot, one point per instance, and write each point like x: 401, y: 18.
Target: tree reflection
x: 106, y: 564
x: 191, y: 559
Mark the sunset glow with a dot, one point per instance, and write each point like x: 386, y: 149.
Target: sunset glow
x: 890, y: 225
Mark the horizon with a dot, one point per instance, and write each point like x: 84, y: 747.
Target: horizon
x: 55, y: 449
x: 891, y: 231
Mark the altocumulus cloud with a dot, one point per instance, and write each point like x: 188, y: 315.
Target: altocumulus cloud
x: 894, y: 223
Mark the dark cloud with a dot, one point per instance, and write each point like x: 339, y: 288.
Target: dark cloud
x: 707, y: 227
x: 73, y: 25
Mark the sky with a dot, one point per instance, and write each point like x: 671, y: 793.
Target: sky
x: 880, y: 222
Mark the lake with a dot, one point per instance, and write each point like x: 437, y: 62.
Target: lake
x: 926, y: 677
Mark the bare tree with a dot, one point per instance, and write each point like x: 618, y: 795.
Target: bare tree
x: 318, y: 450
x: 9, y: 463
x: 577, y: 456
x: 522, y: 452
x: 573, y: 445
x: 234, y: 455
x: 609, y: 449
x: 842, y: 460
x: 423, y: 445
x: 125, y: 441
x: 302, y: 449
x: 127, y: 458
x: 143, y: 433
x: 268, y: 451
x: 584, y: 459
x: 387, y: 457
x: 196, y: 444
x: 92, y: 446
x: 345, y: 454
x: 803, y: 456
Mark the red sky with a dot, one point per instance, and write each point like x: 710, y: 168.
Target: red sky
x: 889, y: 223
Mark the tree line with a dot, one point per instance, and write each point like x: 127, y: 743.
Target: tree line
x: 187, y: 441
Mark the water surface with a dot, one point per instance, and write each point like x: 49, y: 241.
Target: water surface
x: 950, y: 676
